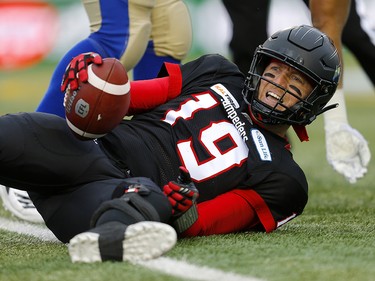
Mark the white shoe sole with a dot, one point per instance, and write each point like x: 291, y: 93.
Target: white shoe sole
x: 142, y: 241
x: 11, y: 203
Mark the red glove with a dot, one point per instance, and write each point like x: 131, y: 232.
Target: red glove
x: 182, y: 194
x: 77, y: 70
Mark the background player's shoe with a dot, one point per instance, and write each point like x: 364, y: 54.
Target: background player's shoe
x: 19, y: 204
x: 114, y: 241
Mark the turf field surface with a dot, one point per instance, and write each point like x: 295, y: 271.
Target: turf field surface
x: 333, y: 240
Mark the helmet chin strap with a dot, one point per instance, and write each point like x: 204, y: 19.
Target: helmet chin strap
x: 300, y: 130
x: 254, y: 119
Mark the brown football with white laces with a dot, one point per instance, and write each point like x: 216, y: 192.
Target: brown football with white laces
x: 99, y: 104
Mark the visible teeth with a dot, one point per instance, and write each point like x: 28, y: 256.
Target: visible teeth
x: 273, y: 95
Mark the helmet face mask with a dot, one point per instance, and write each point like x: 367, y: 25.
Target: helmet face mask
x: 279, y: 113
x: 307, y: 50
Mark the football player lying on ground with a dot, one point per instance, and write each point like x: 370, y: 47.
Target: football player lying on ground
x: 201, y: 128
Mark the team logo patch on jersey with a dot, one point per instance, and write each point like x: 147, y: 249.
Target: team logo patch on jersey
x: 261, y: 144
x: 224, y: 93
x: 230, y: 105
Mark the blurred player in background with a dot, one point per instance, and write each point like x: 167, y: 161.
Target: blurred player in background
x: 143, y: 34
x: 347, y: 150
x: 358, y: 36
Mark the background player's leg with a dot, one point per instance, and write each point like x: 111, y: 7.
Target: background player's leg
x: 109, y: 24
x: 169, y: 40
x: 355, y: 38
x: 249, y: 19
x: 148, y: 67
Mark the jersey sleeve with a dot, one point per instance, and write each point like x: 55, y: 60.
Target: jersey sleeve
x: 285, y: 195
x: 148, y: 94
x: 265, y: 206
x: 173, y: 79
x: 233, y: 211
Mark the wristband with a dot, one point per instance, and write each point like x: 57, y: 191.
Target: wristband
x: 186, y: 220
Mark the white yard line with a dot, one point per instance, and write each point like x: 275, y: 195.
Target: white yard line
x: 165, y: 265
x: 35, y: 230
x: 190, y: 271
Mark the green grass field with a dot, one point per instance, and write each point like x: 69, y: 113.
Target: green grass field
x: 333, y: 240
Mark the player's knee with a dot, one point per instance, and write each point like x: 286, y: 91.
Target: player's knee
x: 172, y: 34
x: 136, y: 199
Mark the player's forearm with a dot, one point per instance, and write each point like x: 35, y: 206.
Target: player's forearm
x: 226, y: 213
x: 148, y: 94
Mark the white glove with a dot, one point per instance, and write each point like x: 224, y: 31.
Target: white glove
x: 347, y: 150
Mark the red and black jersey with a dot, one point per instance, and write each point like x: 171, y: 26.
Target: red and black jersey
x: 192, y: 115
x: 196, y: 130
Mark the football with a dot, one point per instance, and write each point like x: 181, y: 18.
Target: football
x: 99, y: 104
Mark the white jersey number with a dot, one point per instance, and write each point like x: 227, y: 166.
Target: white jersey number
x: 209, y: 137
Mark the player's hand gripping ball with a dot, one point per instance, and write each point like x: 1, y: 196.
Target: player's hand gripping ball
x: 100, y: 103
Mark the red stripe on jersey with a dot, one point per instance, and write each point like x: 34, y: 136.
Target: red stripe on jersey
x: 259, y: 206
x: 175, y: 79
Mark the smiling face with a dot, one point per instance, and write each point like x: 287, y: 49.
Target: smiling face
x: 296, y: 83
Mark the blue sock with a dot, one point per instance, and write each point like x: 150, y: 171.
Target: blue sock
x: 150, y: 64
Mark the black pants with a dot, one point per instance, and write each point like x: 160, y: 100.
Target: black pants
x: 67, y: 179
x: 249, y: 20
x: 359, y: 43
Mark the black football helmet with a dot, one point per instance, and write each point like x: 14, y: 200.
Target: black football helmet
x: 308, y: 50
